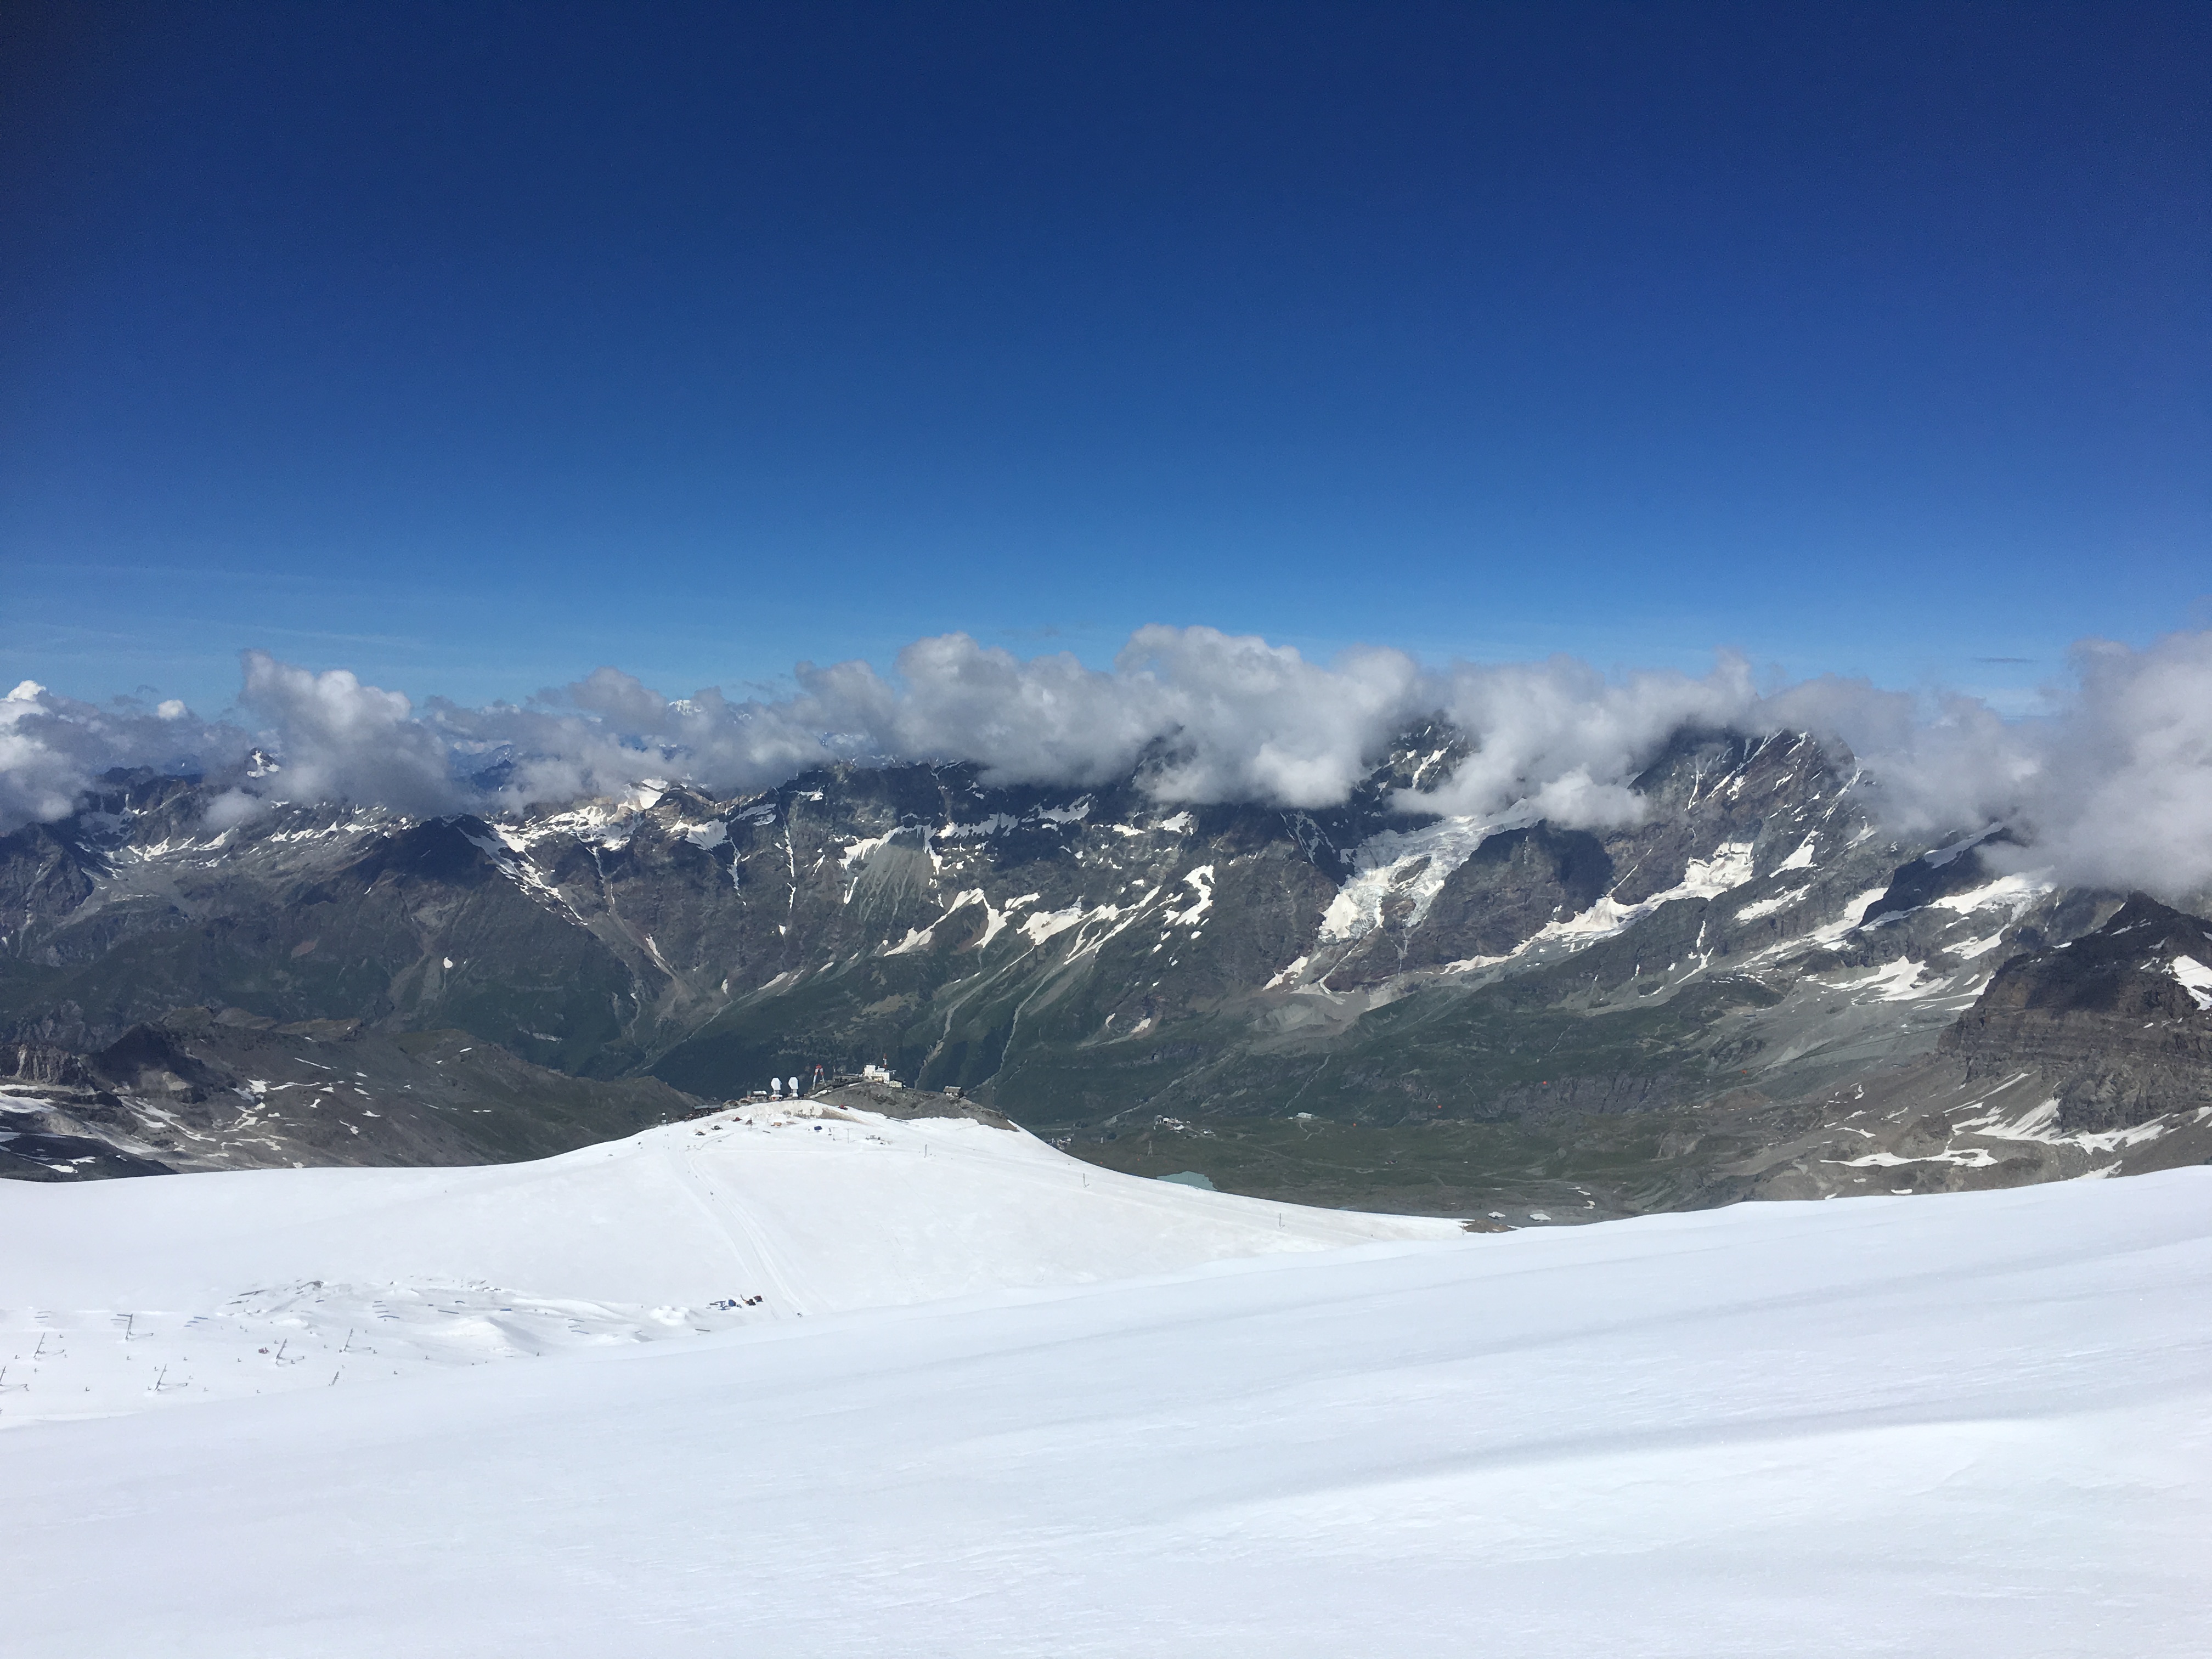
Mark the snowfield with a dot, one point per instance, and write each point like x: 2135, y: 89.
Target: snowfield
x: 957, y: 1422
x: 121, y: 1296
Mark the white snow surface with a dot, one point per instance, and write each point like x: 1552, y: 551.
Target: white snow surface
x: 810, y: 1209
x: 1969, y: 1424
x: 1416, y: 862
x: 2196, y: 979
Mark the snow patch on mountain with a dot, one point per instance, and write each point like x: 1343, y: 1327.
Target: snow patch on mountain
x: 2196, y: 979
x: 1767, y: 907
x: 2039, y: 1123
x: 1904, y: 980
x: 922, y: 939
x: 1410, y: 863
x: 1728, y: 868
x: 2013, y: 893
x: 1853, y: 914
x: 508, y: 848
x: 858, y: 851
x: 1200, y: 881
x: 1800, y: 859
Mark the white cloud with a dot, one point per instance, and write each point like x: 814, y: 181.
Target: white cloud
x: 2120, y: 793
x: 2114, y: 788
x: 1564, y: 736
x: 54, y: 749
x: 342, y: 740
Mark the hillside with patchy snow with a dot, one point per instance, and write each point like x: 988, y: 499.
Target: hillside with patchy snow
x: 1584, y: 1021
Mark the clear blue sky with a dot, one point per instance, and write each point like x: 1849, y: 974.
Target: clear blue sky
x: 472, y: 346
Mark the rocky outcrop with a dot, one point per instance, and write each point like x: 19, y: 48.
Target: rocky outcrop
x: 2121, y: 1018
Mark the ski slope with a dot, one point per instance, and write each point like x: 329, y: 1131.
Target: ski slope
x: 126, y: 1295
x: 1974, y: 1424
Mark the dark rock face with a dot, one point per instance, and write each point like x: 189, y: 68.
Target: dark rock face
x: 1077, y: 959
x: 907, y: 1104
x: 205, y: 1090
x: 34, y: 1062
x: 2108, y: 1016
x: 1926, y: 879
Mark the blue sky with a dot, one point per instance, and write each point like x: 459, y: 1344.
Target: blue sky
x: 471, y: 347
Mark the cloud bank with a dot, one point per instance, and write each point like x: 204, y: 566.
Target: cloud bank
x: 53, y: 750
x: 2113, y: 789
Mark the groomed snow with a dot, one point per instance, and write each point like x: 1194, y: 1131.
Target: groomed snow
x: 1961, y: 1425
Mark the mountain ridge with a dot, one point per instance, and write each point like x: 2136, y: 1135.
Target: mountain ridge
x: 1081, y: 959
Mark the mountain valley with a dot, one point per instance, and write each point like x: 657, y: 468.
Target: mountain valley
x: 1753, y: 990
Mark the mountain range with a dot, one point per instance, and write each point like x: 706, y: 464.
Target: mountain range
x: 1753, y: 990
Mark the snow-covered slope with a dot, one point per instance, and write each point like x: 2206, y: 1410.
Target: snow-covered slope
x: 121, y: 1295
x: 1964, y: 1425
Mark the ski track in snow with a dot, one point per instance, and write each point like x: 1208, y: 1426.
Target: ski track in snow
x: 1969, y: 1426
